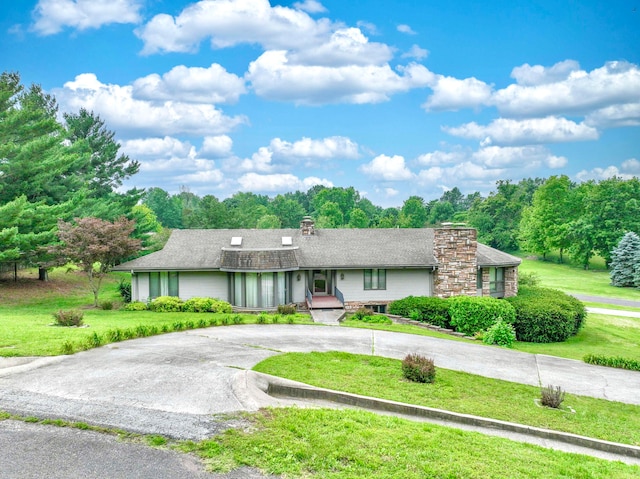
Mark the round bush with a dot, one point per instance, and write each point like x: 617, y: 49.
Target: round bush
x: 471, y: 314
x: 197, y: 305
x: 427, y: 309
x: 136, y: 306
x: 166, y: 304
x: 418, y: 368
x: 501, y: 333
x: 545, y: 315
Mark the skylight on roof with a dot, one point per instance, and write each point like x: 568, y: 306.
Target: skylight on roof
x: 287, y: 241
x: 236, y: 240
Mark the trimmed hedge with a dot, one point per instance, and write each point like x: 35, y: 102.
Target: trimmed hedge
x: 166, y: 304
x: 545, y: 315
x: 427, y: 309
x: 613, y: 362
x: 206, y: 305
x: 471, y: 314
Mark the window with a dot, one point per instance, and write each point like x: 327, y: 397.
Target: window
x: 163, y: 284
x: 375, y: 279
x: 496, y: 281
x: 377, y: 308
x: 259, y: 290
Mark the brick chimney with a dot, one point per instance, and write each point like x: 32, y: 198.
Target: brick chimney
x: 307, y: 226
x: 455, y: 249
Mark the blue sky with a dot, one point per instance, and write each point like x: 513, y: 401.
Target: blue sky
x: 395, y: 98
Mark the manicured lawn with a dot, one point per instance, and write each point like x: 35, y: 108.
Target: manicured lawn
x: 26, y: 319
x: 573, y: 279
x: 347, y: 444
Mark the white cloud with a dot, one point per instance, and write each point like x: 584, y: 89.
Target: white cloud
x: 387, y: 168
x: 453, y: 94
x: 416, y: 52
x: 197, y: 85
x: 306, y: 148
x: 631, y: 166
x: 615, y: 83
x: 207, y: 176
x: 538, y: 75
x: 390, y: 192
x: 406, y: 29
x: 310, y: 6
x: 231, y: 22
x: 615, y: 116
x: 259, y: 161
x: 216, y: 146
x: 517, y: 157
x: 126, y: 115
x: 466, y: 172
x: 279, y: 182
x: 438, y: 158
x: 272, y: 77
x: 536, y: 130
x: 346, y: 46
x: 602, y: 174
x: 157, y: 147
x: 51, y: 16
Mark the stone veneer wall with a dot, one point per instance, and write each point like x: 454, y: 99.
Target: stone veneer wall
x: 486, y: 286
x: 455, y: 250
x: 510, y: 281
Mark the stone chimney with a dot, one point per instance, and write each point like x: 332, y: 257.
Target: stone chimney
x: 307, y: 226
x: 455, y: 249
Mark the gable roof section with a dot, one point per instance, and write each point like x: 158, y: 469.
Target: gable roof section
x: 262, y: 250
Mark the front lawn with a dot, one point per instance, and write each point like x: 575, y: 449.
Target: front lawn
x: 460, y: 392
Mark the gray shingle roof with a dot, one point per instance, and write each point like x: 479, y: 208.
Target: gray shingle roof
x: 189, y: 250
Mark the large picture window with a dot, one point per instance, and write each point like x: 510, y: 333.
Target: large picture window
x: 163, y: 284
x: 375, y: 279
x: 260, y: 290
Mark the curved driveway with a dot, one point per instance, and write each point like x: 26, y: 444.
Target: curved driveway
x: 173, y: 384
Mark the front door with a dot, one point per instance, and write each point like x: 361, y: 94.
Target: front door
x: 320, y: 283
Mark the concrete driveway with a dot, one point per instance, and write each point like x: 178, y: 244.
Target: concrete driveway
x: 174, y: 384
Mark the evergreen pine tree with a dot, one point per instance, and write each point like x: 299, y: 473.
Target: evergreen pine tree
x: 625, y: 267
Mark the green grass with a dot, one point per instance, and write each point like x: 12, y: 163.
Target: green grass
x: 348, y: 444
x: 460, y: 392
x: 26, y: 310
x: 573, y: 279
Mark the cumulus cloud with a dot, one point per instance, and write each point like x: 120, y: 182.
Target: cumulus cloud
x: 406, y: 29
x: 466, y: 172
x: 194, y: 85
x: 631, y: 166
x: 535, y: 130
x: 517, y: 157
x: 307, y: 148
x: 272, y: 77
x: 346, y: 46
x: 416, y: 52
x: 157, y: 147
x: 129, y: 116
x: 538, y: 75
x: 616, y: 83
x: 216, y: 146
x: 602, y: 174
x: 439, y: 158
x: 51, y: 16
x: 232, y: 22
x: 310, y: 6
x: 279, y: 182
x: 615, y: 115
x: 387, y: 168
x: 454, y: 94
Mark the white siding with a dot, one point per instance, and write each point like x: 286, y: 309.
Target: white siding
x: 298, y: 287
x: 400, y: 283
x: 204, y: 284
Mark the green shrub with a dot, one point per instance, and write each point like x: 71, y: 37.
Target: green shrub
x: 501, y: 333
x: 613, y: 362
x: 219, y: 306
x: 427, y: 309
x: 136, y: 306
x: 552, y: 396
x: 197, y: 305
x: 114, y: 335
x: 68, y: 348
x: 470, y: 314
x: 106, y: 305
x: 142, y: 331
x: 166, y: 304
x: 262, y: 318
x: 418, y: 369
x: 374, y: 319
x: 95, y: 340
x: 546, y: 315
x: 70, y: 317
x: 202, y: 323
x: 275, y: 319
x: 124, y: 288
x: 362, y: 312
x: 528, y: 279
x: 285, y: 309
x: 224, y: 320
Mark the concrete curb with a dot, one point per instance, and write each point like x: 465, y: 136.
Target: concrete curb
x: 279, y: 387
x: 12, y: 365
